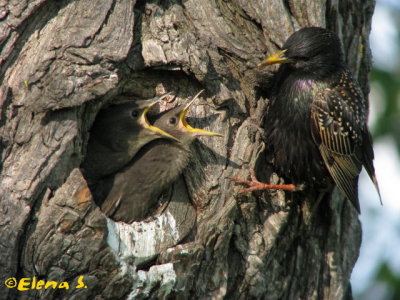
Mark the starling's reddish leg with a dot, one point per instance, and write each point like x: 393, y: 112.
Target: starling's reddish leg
x: 255, y: 185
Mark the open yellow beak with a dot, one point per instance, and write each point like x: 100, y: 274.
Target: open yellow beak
x: 146, y: 124
x: 195, y: 131
x: 277, y: 58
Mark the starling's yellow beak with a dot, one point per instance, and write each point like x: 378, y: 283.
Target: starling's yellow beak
x: 195, y: 131
x: 277, y: 58
x: 145, y: 122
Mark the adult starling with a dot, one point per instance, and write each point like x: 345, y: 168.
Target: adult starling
x: 132, y: 193
x: 117, y: 134
x: 316, y: 125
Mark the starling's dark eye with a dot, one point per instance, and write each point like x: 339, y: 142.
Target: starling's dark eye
x: 135, y: 113
x: 172, y: 121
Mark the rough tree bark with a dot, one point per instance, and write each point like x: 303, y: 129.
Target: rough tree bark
x: 61, y: 61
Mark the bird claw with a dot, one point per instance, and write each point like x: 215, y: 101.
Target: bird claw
x: 299, y: 187
x: 255, y: 185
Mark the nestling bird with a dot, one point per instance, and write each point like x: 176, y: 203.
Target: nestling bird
x: 316, y: 125
x: 131, y: 193
x: 117, y: 134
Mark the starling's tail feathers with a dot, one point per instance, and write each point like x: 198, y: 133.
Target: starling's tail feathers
x: 371, y: 174
x: 368, y: 162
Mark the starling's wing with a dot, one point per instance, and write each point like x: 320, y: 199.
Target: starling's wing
x: 122, y: 198
x: 338, y: 125
x: 108, y: 193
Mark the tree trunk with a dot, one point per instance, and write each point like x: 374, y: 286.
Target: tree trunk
x: 61, y: 61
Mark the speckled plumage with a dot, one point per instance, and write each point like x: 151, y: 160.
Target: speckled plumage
x: 316, y: 126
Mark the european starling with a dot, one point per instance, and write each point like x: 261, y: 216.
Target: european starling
x: 132, y: 193
x: 117, y: 134
x: 316, y: 125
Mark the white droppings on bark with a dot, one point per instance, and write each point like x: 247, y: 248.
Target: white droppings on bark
x: 143, y: 240
x: 162, y: 275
